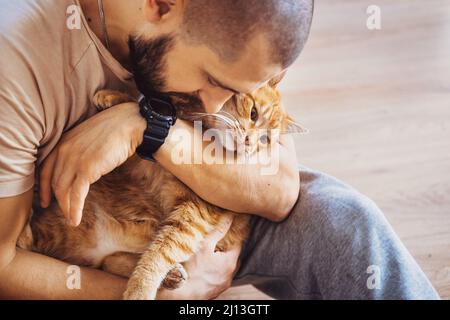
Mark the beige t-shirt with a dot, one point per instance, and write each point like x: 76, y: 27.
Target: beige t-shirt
x: 48, y: 76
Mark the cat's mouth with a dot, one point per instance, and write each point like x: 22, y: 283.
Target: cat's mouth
x: 230, y: 133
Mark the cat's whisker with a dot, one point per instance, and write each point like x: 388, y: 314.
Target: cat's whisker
x: 221, y: 118
x: 237, y: 125
x: 226, y: 113
x: 236, y: 122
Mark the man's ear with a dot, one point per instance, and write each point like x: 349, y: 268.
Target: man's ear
x: 274, y: 82
x: 157, y: 10
x: 294, y: 127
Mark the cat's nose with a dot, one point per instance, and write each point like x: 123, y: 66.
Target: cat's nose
x: 247, y: 140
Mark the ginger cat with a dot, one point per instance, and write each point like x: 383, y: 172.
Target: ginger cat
x: 140, y: 221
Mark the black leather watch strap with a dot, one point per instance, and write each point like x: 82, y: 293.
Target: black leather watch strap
x: 160, y: 116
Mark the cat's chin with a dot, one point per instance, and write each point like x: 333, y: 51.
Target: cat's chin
x: 231, y: 144
x: 226, y: 139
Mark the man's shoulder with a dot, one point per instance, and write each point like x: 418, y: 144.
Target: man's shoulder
x: 40, y: 31
x: 36, y: 18
x: 36, y: 37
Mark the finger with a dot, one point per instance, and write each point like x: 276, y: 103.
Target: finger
x: 219, y: 233
x: 59, y: 166
x: 45, y: 180
x: 78, y: 194
x: 63, y: 202
x: 63, y: 178
x: 62, y: 188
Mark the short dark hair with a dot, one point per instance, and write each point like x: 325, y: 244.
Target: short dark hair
x: 227, y: 26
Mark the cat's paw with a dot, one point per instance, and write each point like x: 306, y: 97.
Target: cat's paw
x: 176, y: 278
x: 105, y: 99
x: 136, y: 290
x: 25, y: 240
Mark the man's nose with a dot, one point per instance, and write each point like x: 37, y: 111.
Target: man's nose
x: 214, y: 100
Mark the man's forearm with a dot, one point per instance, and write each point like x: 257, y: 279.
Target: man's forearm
x: 240, y: 187
x: 33, y: 276
x: 237, y: 187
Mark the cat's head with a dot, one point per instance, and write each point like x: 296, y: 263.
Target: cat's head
x: 260, y: 116
x: 249, y: 120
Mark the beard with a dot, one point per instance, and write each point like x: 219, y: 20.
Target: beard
x: 148, y: 59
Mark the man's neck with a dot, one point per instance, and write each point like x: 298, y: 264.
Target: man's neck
x: 121, y: 17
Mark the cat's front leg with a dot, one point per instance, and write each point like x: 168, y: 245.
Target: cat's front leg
x: 141, y: 290
x: 147, y: 278
x: 179, y: 238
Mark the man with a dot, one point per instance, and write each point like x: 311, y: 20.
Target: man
x: 311, y: 240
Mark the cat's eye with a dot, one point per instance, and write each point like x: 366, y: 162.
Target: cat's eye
x: 264, y: 139
x: 254, y: 115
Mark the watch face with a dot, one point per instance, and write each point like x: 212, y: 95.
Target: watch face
x: 162, y: 107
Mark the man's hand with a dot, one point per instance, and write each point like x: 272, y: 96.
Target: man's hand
x: 85, y: 154
x: 210, y: 273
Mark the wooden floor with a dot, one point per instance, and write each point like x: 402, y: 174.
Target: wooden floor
x: 378, y: 107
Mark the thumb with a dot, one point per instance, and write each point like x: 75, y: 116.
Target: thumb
x: 219, y: 233
x: 79, y: 192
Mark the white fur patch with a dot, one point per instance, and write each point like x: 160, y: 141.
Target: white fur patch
x: 107, y: 243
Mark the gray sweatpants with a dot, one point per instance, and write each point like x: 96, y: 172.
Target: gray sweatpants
x: 336, y: 244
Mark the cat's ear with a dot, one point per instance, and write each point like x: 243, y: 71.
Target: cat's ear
x: 274, y: 82
x: 156, y: 10
x: 294, y: 127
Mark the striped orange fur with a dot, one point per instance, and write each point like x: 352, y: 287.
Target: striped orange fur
x: 140, y: 221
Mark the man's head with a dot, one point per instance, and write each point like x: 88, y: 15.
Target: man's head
x: 209, y: 50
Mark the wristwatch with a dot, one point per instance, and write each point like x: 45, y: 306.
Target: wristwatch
x: 160, y: 115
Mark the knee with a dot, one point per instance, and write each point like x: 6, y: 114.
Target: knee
x: 339, y: 214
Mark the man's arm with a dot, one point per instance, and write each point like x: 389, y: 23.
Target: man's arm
x: 27, y: 275
x: 105, y: 141
x: 240, y: 188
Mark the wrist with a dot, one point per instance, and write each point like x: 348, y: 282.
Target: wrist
x: 160, y: 116
x: 163, y: 155
x: 135, y: 124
